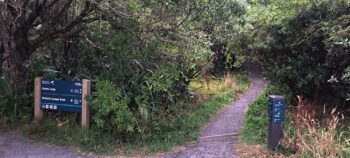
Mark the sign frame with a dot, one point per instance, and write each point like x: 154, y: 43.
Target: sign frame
x: 38, y: 111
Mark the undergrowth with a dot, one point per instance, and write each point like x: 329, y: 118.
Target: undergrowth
x: 186, y: 126
x: 322, y: 137
x: 169, y: 130
x: 255, y: 126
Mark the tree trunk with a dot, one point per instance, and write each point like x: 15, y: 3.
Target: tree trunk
x: 16, y: 51
x: 4, y: 45
x: 19, y: 69
x: 17, y: 19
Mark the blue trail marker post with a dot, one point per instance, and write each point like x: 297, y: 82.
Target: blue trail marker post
x: 276, y: 119
x: 61, y: 95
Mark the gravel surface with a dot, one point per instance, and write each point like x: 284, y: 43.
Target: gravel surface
x: 218, y: 139
x: 14, y: 147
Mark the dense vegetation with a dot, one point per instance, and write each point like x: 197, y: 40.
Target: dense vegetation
x: 140, y: 55
x: 303, y: 49
x: 324, y: 137
x: 255, y: 130
x: 303, y: 45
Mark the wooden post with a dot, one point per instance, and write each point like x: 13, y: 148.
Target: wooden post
x: 85, y: 109
x: 38, y: 113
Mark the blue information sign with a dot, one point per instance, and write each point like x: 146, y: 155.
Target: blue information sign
x: 61, y: 95
x: 276, y: 109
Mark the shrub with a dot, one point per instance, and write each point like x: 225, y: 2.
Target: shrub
x: 301, y: 47
x: 110, y: 109
x: 10, y: 102
x: 5, y: 98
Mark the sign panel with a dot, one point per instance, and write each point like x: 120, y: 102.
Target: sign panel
x: 276, y: 119
x: 61, y: 95
x: 270, y: 110
x: 276, y: 109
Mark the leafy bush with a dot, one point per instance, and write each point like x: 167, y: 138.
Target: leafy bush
x: 110, y: 109
x: 5, y: 98
x: 10, y: 103
x: 302, y: 47
x: 186, y: 123
x: 139, y: 55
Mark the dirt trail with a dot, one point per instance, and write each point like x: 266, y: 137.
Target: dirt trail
x: 14, y: 147
x: 219, y: 137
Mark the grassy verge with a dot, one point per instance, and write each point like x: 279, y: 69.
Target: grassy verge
x: 255, y: 126
x: 211, y: 97
x: 326, y: 137
x: 185, y: 125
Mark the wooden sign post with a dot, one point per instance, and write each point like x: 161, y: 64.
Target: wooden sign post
x: 38, y: 113
x: 85, y: 121
x: 61, y: 95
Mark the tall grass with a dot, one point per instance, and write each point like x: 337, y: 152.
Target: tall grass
x: 319, y: 138
x: 230, y: 82
x: 255, y: 126
x: 234, y: 83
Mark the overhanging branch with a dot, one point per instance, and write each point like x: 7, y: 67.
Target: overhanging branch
x: 68, y: 30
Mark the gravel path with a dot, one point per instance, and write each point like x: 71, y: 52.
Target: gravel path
x: 14, y: 147
x: 219, y: 137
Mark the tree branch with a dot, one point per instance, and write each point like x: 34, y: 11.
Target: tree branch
x: 66, y: 30
x: 36, y: 9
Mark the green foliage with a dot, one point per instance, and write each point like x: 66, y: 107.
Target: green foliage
x: 326, y: 136
x: 159, y: 89
x: 6, y: 99
x: 255, y: 128
x: 10, y: 104
x: 140, y: 56
x: 141, y: 62
x: 65, y: 130
x: 161, y: 132
x: 110, y: 109
x: 346, y: 78
x: 186, y: 123
x: 301, y: 44
x: 256, y: 121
